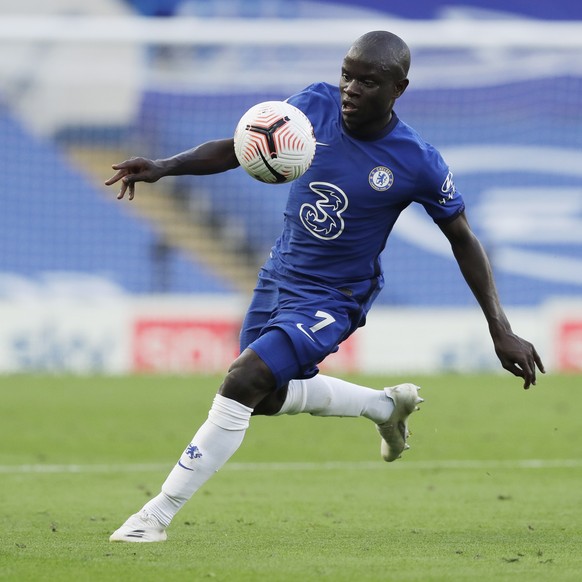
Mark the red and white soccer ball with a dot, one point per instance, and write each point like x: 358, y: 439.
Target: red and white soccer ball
x: 274, y: 142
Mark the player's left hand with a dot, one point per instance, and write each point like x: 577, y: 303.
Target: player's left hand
x: 519, y: 357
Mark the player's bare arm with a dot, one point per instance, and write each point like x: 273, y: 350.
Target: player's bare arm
x: 516, y: 355
x: 212, y: 157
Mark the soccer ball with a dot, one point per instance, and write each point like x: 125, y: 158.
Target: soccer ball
x: 274, y: 142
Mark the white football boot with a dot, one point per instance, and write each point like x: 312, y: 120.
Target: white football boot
x: 394, y: 431
x: 140, y: 527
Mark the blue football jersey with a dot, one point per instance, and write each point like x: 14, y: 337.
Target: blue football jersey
x: 340, y: 213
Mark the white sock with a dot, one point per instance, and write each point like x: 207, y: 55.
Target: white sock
x: 214, y: 443
x: 327, y: 396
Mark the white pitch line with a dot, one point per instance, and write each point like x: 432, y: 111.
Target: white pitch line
x: 299, y: 467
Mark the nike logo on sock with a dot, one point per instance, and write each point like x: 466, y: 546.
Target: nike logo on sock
x: 184, y: 466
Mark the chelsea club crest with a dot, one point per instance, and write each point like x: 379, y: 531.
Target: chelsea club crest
x: 381, y: 178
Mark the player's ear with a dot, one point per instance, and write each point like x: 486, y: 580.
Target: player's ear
x: 401, y: 87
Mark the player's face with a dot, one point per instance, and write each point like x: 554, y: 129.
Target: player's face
x: 368, y: 92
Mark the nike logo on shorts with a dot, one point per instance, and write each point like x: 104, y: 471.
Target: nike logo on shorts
x: 300, y: 327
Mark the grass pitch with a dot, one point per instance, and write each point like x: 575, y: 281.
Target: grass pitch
x: 490, y: 489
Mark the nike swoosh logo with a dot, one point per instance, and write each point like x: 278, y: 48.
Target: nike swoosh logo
x: 184, y: 467
x: 300, y: 328
x: 321, y: 143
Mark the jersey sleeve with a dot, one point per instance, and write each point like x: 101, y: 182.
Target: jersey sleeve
x: 302, y: 99
x: 437, y: 191
x: 312, y: 100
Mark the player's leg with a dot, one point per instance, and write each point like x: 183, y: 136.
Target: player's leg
x: 312, y: 334
x: 328, y: 396
x: 247, y: 382
x: 312, y: 329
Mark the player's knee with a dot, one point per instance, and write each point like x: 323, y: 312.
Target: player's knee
x: 248, y: 381
x: 272, y: 403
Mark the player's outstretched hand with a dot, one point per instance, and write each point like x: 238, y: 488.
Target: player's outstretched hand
x: 132, y: 171
x: 519, y: 357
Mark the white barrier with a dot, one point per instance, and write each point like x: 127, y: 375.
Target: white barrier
x: 200, y: 334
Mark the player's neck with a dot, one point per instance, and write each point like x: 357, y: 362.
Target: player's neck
x: 373, y: 133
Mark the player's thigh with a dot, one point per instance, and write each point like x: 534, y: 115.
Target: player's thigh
x: 262, y: 306
x: 297, y: 340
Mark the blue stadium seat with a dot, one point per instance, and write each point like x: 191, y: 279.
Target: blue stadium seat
x: 53, y: 218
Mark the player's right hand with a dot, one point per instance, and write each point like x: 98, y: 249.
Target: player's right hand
x: 132, y: 171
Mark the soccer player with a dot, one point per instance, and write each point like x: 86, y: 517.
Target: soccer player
x: 324, y: 271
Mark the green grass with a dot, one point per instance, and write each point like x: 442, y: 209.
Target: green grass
x: 304, y: 499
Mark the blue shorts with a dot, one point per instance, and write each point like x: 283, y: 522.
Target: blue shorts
x: 293, y: 324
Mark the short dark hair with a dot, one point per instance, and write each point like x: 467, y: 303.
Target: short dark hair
x: 386, y: 49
